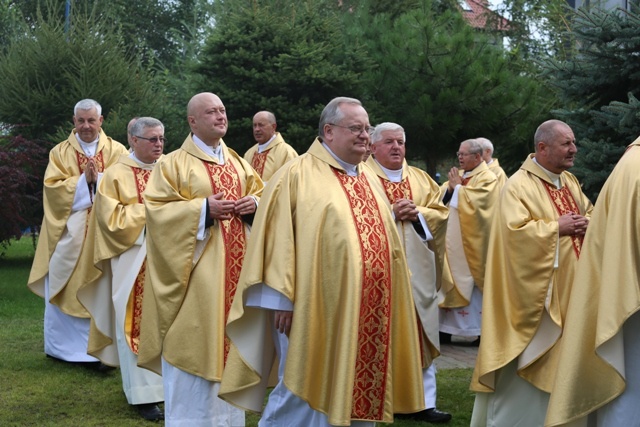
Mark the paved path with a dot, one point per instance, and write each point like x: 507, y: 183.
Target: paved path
x: 459, y: 354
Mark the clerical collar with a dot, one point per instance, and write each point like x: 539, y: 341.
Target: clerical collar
x: 489, y: 162
x: 132, y: 155
x: 352, y: 170
x: 216, y: 152
x: 554, y: 177
x: 263, y: 147
x: 393, y: 175
x: 89, y: 148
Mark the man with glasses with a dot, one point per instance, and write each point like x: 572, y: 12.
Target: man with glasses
x: 472, y: 193
x: 270, y: 152
x: 74, y: 171
x: 421, y: 219
x: 112, y: 266
x: 538, y: 229
x: 199, y: 203
x: 325, y: 273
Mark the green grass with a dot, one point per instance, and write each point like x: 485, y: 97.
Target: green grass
x: 39, y: 391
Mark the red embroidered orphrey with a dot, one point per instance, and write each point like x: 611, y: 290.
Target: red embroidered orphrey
x: 374, y: 333
x: 565, y: 203
x: 225, y: 179
x: 258, y: 161
x: 134, y: 304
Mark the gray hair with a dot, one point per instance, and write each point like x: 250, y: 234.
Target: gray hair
x: 86, y: 105
x: 143, y: 123
x: 486, y: 144
x: 474, y: 146
x: 382, y: 127
x: 271, y: 118
x: 332, y: 113
x: 547, y: 132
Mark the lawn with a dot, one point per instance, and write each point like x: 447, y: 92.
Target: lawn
x: 39, y: 391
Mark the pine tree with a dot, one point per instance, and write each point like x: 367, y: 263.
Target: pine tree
x: 600, y: 87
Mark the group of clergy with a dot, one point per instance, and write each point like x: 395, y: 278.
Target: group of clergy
x: 206, y: 286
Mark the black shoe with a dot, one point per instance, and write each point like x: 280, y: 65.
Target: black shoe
x: 475, y: 343
x: 150, y: 411
x: 445, y: 338
x: 431, y: 415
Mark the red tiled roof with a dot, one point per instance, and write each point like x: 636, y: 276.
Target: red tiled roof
x: 481, y: 17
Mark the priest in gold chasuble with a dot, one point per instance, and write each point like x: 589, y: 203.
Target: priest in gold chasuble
x: 421, y: 220
x: 110, y: 278
x: 325, y: 268
x: 598, y: 377
x: 535, y: 243
x: 492, y: 163
x: 74, y: 171
x: 198, y: 201
x: 271, y: 151
x: 472, y: 198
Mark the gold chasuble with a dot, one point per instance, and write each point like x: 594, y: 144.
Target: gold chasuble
x: 190, y: 283
x: 591, y: 371
x: 468, y: 232
x: 497, y: 170
x: 522, y: 280
x: 269, y: 161
x: 424, y: 258
x: 67, y: 162
x: 110, y: 275
x: 327, y: 242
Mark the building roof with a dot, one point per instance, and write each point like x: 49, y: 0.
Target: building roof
x: 478, y: 15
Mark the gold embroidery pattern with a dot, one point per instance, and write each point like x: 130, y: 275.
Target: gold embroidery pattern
x: 82, y: 165
x: 258, y: 161
x: 565, y: 203
x: 375, y: 308
x: 225, y: 178
x: 134, y: 304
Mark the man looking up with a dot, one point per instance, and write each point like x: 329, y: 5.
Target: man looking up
x: 421, y: 220
x: 539, y: 224
x: 325, y: 268
x: 197, y: 202
x: 111, y: 270
x: 72, y: 175
x: 472, y: 195
x: 270, y: 152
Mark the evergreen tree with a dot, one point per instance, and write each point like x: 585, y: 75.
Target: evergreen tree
x: 445, y: 82
x: 282, y: 56
x: 47, y: 70
x: 600, y: 87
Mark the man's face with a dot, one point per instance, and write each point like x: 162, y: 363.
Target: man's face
x: 350, y: 146
x: 149, y: 145
x: 390, y: 150
x: 263, y: 129
x: 468, y: 161
x: 87, y: 124
x: 209, y: 119
x: 561, y: 152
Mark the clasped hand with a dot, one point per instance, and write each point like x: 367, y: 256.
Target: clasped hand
x: 222, y: 209
x: 572, y: 224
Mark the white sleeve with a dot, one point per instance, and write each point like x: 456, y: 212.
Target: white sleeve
x: 82, y: 198
x: 263, y: 296
x: 203, y: 214
x: 454, y: 198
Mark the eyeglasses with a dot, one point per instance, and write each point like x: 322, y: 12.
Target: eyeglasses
x: 356, y: 129
x: 459, y: 154
x: 153, y: 140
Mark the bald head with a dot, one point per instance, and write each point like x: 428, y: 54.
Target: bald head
x: 207, y: 118
x: 264, y: 126
x: 555, y: 146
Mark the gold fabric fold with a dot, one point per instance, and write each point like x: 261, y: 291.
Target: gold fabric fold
x: 298, y: 233
x: 520, y: 273
x: 185, y: 292
x: 606, y: 293
x: 66, y: 164
x: 477, y: 201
